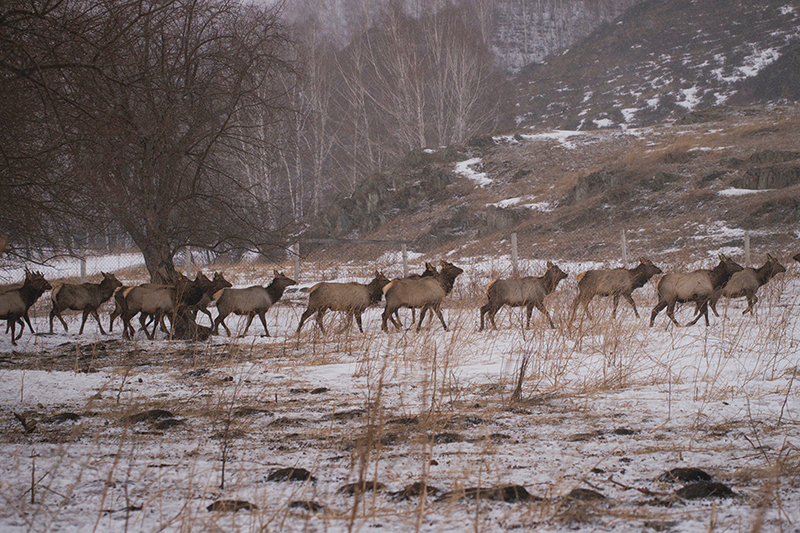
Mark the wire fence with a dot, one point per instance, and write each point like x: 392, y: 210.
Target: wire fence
x: 314, y: 260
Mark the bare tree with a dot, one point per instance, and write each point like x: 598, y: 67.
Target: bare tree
x: 153, y: 103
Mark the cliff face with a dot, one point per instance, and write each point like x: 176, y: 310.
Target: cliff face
x: 527, y: 31
x: 664, y: 58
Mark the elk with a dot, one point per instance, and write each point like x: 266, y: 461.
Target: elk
x: 86, y: 297
x: 425, y: 292
x: 252, y: 301
x: 697, y: 287
x: 158, y: 301
x: 16, y: 300
x: 746, y: 282
x: 429, y: 271
x: 209, y: 287
x: 528, y: 291
x: 350, y: 298
x: 197, y: 299
x: 615, y: 283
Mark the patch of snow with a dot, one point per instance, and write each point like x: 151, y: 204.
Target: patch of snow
x: 629, y: 113
x: 787, y: 9
x: 739, y: 192
x: 544, y: 207
x: 464, y: 168
x: 603, y: 122
x: 690, y: 99
x: 562, y: 136
x: 508, y: 202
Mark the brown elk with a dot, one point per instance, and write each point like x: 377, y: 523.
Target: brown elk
x: 697, y: 287
x: 429, y: 271
x: 17, y: 300
x: 746, y: 282
x: 209, y: 288
x: 615, y: 283
x: 350, y: 298
x: 425, y: 292
x: 529, y: 291
x: 86, y: 297
x: 252, y: 301
x: 158, y: 301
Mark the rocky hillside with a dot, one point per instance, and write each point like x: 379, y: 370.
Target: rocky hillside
x: 662, y: 59
x: 678, y: 190
x: 679, y: 124
x: 528, y: 31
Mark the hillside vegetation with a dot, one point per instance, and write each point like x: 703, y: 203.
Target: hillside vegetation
x: 677, y: 124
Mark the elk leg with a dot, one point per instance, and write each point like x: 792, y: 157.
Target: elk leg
x: 615, y: 299
x: 97, y: 317
x: 422, y: 317
x: 83, y: 320
x: 633, y: 304
x: 358, y: 321
x: 657, y: 309
x: 263, y: 316
x: 250, y: 318
x: 545, y: 312
x: 438, y: 310
x: 305, y: 316
x: 492, y: 312
x: 671, y: 313
x: 320, y: 315
x: 751, y: 301
x: 384, y: 317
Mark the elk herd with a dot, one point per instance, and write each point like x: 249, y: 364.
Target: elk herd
x: 426, y: 292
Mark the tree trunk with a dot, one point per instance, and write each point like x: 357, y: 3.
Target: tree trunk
x: 158, y: 258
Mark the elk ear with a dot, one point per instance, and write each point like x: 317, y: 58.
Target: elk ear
x: 275, y: 272
x: 550, y: 264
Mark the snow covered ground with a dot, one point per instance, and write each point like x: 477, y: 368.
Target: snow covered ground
x: 139, y: 436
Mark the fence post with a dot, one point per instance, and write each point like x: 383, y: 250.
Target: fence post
x: 514, y: 258
x: 188, y: 261
x: 296, y: 253
x: 746, y: 247
x: 404, y: 249
x: 83, y: 269
x: 624, y: 241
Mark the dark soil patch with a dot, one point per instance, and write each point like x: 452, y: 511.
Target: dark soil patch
x: 290, y: 474
x: 584, y: 495
x: 60, y: 418
x: 503, y: 493
x: 447, y: 438
x: 306, y: 506
x: 704, y: 489
x: 149, y: 416
x: 359, y: 488
x: 684, y: 475
x: 415, y: 490
x: 231, y: 506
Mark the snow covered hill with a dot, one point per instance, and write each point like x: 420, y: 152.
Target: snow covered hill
x: 663, y: 59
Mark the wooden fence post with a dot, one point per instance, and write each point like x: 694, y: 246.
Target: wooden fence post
x: 746, y: 248
x: 296, y: 254
x: 83, y: 269
x: 188, y: 261
x: 404, y: 249
x: 624, y: 241
x: 514, y: 257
